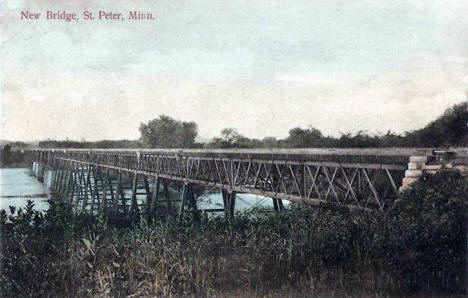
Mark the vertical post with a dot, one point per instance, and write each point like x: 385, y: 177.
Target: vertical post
x: 122, y: 196
x: 225, y: 202
x: 73, y: 187
x: 154, y: 198
x: 148, y: 193
x: 229, y: 201
x: 86, y: 187
x: 359, y: 182
x: 232, y: 204
x: 62, y: 178
x: 63, y: 184
x: 84, y: 192
x: 58, y: 177
x: 66, y: 187
x: 78, y: 187
x: 79, y: 183
x: 231, y: 173
x: 275, y: 205
x: 280, y: 204
x: 92, y: 187
x: 75, y: 184
x: 168, y: 198
x: 96, y: 187
x: 70, y: 185
x: 134, y: 193
x: 182, y: 201
x: 63, y: 187
x: 111, y: 189
x: 117, y: 194
x: 193, y: 205
x: 103, y: 203
x: 304, y: 180
x: 54, y: 179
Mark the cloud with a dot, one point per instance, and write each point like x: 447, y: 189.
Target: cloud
x: 263, y: 68
x: 93, y: 107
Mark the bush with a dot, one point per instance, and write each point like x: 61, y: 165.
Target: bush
x: 430, y: 235
x: 330, y: 251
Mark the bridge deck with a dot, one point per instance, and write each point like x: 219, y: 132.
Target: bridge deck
x: 358, y: 177
x: 364, y: 155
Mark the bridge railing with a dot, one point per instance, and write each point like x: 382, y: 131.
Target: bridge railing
x: 359, y: 177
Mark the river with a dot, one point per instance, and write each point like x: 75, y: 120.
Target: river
x: 17, y: 187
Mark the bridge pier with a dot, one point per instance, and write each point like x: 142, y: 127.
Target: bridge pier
x: 38, y: 170
x: 188, y: 199
x: 278, y: 205
x: 48, y: 177
x: 229, y: 203
x: 154, y: 195
x: 419, y: 165
x: 157, y: 205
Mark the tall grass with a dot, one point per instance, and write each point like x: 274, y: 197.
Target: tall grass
x: 416, y: 248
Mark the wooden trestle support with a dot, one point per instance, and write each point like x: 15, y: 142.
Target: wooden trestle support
x: 95, y: 190
x: 130, y: 181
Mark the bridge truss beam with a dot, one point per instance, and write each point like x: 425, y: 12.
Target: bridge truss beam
x: 356, y: 181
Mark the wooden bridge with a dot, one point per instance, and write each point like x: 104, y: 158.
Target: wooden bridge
x: 100, y: 180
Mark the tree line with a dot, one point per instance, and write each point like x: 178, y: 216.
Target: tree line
x: 450, y: 129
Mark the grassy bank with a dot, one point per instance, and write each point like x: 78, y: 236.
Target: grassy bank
x: 416, y: 248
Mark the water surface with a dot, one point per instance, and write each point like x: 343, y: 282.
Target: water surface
x: 17, y: 186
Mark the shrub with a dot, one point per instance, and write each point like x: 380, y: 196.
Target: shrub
x: 328, y: 251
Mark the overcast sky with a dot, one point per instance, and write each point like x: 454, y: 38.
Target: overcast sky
x: 260, y: 66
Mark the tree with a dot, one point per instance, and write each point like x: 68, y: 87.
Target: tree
x: 270, y: 142
x: 300, y: 138
x: 230, y: 135
x: 166, y: 132
x: 6, y: 154
x: 450, y: 129
x: 231, y: 138
x: 359, y: 140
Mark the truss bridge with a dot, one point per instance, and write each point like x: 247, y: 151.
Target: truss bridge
x: 126, y: 179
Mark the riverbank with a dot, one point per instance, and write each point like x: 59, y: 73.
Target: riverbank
x: 15, y: 165
x: 13, y: 158
x: 419, y: 247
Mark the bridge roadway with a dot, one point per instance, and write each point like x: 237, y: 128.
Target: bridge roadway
x: 362, y: 178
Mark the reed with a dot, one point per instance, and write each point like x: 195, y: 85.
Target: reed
x: 324, y: 252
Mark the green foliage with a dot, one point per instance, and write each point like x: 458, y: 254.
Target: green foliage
x: 165, y: 132
x: 15, y: 146
x: 35, y: 249
x: 299, y: 137
x: 231, y: 138
x: 431, y: 219
x: 6, y: 154
x: 419, y: 246
x: 11, y: 157
x: 448, y: 130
